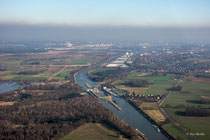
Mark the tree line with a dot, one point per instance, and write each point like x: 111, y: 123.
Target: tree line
x: 197, y: 112
x: 136, y: 83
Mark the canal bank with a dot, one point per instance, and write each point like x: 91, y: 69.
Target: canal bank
x: 152, y: 121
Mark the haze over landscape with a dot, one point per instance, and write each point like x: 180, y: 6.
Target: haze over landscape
x: 105, y: 20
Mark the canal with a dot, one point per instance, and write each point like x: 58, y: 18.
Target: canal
x: 128, y: 113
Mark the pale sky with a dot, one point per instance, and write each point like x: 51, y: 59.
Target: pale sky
x: 183, y: 20
x: 156, y: 13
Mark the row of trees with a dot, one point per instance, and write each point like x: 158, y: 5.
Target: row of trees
x: 29, y: 72
x: 176, y: 88
x: 205, y: 100
x: 197, y: 112
x: 137, y: 83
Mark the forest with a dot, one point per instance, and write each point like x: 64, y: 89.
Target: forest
x: 54, y: 114
x: 111, y: 74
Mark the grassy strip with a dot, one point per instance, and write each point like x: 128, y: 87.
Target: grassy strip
x: 176, y: 133
x: 93, y: 131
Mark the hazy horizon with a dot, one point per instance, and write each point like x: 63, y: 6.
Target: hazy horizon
x: 106, y: 33
x: 180, y: 20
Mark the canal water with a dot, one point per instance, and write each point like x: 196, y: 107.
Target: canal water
x: 82, y: 78
x: 9, y: 86
x: 128, y: 113
x: 135, y: 119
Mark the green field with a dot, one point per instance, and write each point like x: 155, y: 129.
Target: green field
x: 153, y: 79
x: 151, y: 105
x: 62, y: 75
x: 92, y: 131
x: 58, y: 74
x: 41, y: 76
x: 175, y: 132
x: 190, y: 94
x: 192, y: 124
x: 158, y: 84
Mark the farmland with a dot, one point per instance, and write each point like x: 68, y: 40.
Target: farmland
x: 176, y: 103
x: 151, y: 109
x: 190, y: 124
x: 156, y: 115
x: 158, y: 84
x: 43, y: 66
x: 190, y: 95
